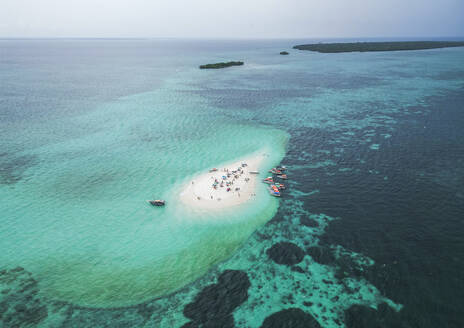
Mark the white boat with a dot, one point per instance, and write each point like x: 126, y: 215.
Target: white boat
x: 157, y: 202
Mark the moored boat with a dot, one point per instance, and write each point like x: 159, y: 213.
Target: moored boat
x: 274, y: 191
x: 254, y: 172
x: 157, y: 202
x: 280, y: 186
x: 269, y: 180
x: 283, y: 176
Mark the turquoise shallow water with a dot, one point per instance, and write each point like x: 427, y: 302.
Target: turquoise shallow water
x: 86, y: 230
x: 91, y: 129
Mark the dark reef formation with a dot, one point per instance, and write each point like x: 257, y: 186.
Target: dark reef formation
x: 213, y: 306
x: 20, y: 305
x: 377, y: 46
x: 286, y: 253
x: 306, y: 221
x: 358, y: 316
x: 297, y: 269
x: 322, y: 255
x: 290, y: 318
x: 13, y: 168
x: 347, y: 267
x: 221, y: 65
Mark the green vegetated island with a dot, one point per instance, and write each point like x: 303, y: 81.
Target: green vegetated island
x: 221, y: 65
x: 378, y: 46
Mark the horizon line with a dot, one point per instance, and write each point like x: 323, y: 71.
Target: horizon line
x: 220, y: 38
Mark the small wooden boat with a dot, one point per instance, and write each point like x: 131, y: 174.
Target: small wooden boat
x: 280, y: 186
x: 157, y: 202
x: 254, y: 172
x: 268, y: 180
x: 213, y: 169
x: 283, y: 176
x: 274, y: 191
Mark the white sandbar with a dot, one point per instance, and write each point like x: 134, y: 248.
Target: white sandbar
x: 200, y: 193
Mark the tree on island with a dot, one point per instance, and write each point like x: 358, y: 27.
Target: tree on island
x: 221, y: 65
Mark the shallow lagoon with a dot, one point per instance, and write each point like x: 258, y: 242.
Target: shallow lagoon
x: 87, y: 232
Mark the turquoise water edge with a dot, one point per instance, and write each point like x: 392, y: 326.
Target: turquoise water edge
x: 93, y: 203
x: 87, y: 138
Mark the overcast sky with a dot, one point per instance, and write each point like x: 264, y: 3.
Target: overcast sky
x: 231, y: 18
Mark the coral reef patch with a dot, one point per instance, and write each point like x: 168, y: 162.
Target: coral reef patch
x: 214, y: 305
x: 290, y: 318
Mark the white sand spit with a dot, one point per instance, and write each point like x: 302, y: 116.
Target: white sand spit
x: 235, y: 185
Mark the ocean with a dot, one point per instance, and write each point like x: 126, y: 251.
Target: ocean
x: 368, y: 232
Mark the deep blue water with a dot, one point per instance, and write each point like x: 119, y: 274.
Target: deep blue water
x: 375, y: 157
x: 412, y: 223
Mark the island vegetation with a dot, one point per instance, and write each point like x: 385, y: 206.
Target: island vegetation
x: 377, y: 46
x: 221, y: 65
x: 284, y: 53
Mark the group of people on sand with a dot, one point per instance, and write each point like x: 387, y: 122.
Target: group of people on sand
x: 227, y: 180
x: 233, y: 175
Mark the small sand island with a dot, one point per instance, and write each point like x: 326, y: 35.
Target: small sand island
x: 377, y: 46
x: 225, y: 186
x: 221, y: 65
x: 284, y: 53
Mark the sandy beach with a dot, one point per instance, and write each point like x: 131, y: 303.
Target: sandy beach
x: 234, y: 183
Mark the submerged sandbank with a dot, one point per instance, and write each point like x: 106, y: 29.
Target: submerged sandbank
x: 228, y: 185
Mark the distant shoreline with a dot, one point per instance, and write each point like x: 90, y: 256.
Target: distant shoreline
x: 377, y: 46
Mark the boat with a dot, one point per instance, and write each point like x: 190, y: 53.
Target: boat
x: 213, y: 169
x: 275, y: 171
x: 274, y: 191
x: 157, y: 202
x: 254, y: 172
x: 281, y: 168
x: 283, y: 176
x: 280, y: 186
x: 268, y: 180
